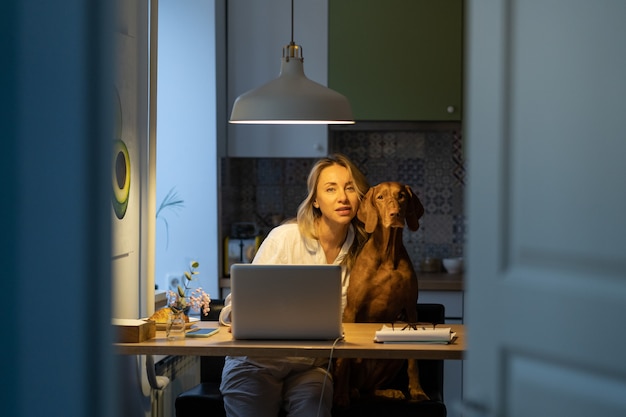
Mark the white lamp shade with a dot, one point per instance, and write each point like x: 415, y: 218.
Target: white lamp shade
x: 292, y: 99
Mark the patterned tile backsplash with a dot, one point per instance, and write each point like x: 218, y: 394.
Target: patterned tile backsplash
x: 267, y: 190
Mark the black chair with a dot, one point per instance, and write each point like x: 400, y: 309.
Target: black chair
x: 205, y: 398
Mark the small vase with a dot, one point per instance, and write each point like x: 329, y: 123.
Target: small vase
x: 176, y: 326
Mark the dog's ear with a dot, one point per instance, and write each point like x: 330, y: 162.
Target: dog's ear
x: 367, y: 212
x: 414, y: 211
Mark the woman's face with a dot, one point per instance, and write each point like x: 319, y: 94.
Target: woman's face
x: 337, y: 196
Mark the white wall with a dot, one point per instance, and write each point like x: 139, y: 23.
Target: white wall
x: 129, y: 248
x: 186, y: 141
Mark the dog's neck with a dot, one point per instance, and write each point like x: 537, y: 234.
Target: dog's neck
x: 388, y: 243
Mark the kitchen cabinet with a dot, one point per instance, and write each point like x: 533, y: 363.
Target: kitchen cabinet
x: 256, y: 34
x: 398, y: 60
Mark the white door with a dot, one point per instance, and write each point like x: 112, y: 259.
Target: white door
x: 546, y: 138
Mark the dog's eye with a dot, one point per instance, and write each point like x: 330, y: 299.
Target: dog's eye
x: 379, y: 196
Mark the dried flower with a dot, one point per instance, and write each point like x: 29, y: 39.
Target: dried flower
x: 183, y: 299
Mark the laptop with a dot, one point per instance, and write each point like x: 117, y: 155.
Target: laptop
x: 286, y: 302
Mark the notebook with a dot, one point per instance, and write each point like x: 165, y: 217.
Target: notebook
x: 286, y: 302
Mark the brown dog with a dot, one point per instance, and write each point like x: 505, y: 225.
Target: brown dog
x: 383, y: 287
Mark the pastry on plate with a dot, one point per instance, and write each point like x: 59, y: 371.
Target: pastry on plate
x: 160, y: 316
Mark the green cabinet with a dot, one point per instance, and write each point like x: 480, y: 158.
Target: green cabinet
x: 397, y: 59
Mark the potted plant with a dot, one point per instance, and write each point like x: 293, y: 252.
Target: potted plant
x: 184, y: 299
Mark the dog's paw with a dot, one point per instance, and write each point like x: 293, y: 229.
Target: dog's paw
x: 389, y: 394
x: 418, y: 396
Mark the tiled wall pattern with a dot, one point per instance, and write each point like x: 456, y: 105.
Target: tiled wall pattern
x: 265, y: 190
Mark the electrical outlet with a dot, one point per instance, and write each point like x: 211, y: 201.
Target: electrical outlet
x: 174, y: 280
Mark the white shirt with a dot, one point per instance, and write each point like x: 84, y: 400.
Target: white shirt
x: 285, y: 245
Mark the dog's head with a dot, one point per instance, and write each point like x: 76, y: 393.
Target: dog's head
x: 391, y: 204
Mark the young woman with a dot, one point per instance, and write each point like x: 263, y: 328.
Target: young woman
x: 325, y: 231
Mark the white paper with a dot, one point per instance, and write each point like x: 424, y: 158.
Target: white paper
x: 420, y: 334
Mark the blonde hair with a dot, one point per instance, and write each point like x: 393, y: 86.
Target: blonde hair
x: 307, y: 214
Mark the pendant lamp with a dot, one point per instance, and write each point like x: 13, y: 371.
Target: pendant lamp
x: 292, y: 98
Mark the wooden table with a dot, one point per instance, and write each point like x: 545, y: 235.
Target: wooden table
x: 358, y: 343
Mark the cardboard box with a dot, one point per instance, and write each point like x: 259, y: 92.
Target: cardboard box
x: 134, y: 331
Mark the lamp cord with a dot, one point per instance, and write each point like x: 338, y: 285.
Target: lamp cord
x: 292, y: 22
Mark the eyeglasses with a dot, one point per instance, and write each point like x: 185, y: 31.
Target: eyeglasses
x: 414, y: 326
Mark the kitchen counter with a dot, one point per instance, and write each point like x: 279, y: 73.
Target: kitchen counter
x: 432, y: 281
x: 428, y: 281
x: 160, y: 299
